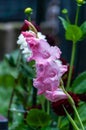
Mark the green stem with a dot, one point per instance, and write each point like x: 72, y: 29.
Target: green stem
x: 43, y: 104
x: 75, y: 110
x: 18, y: 60
x: 59, y: 122
x: 43, y: 108
x: 29, y: 18
x: 71, y: 64
x: 71, y: 120
x: 77, y: 14
x: 73, y: 51
x: 72, y: 105
x: 67, y: 18
x: 11, y: 98
x: 78, y: 117
x: 10, y: 103
x: 48, y: 107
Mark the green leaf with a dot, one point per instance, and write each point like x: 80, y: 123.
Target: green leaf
x: 22, y: 126
x: 12, y: 58
x: 65, y: 123
x: 6, y: 69
x: 79, y: 84
x: 14, y: 73
x: 27, y: 70
x: 83, y: 28
x: 17, y: 122
x: 73, y: 33
x: 37, y: 118
x: 64, y: 23
x: 5, y: 94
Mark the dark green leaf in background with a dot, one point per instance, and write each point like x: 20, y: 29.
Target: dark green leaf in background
x: 79, y: 84
x: 83, y: 28
x: 37, y: 118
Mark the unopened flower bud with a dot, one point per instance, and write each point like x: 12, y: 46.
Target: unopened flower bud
x: 28, y: 10
x: 80, y: 2
x: 64, y: 11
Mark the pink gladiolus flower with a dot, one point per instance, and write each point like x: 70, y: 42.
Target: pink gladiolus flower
x: 56, y: 95
x: 40, y: 48
x: 49, y: 68
x: 48, y: 75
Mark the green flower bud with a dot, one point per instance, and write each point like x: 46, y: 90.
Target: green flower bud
x: 80, y: 2
x: 64, y: 11
x: 28, y: 10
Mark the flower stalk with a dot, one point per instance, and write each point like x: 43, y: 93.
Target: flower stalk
x: 74, y: 108
x: 73, y: 50
x: 71, y: 64
x: 78, y: 117
x: 77, y: 14
x: 72, y: 121
x: 11, y: 98
x: 48, y: 107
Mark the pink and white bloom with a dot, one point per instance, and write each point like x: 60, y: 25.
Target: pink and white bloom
x: 41, y: 36
x: 23, y: 46
x: 49, y: 68
x: 40, y: 48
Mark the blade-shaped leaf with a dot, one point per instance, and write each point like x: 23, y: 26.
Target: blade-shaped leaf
x: 6, y: 69
x: 27, y: 70
x: 64, y: 23
x: 12, y: 58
